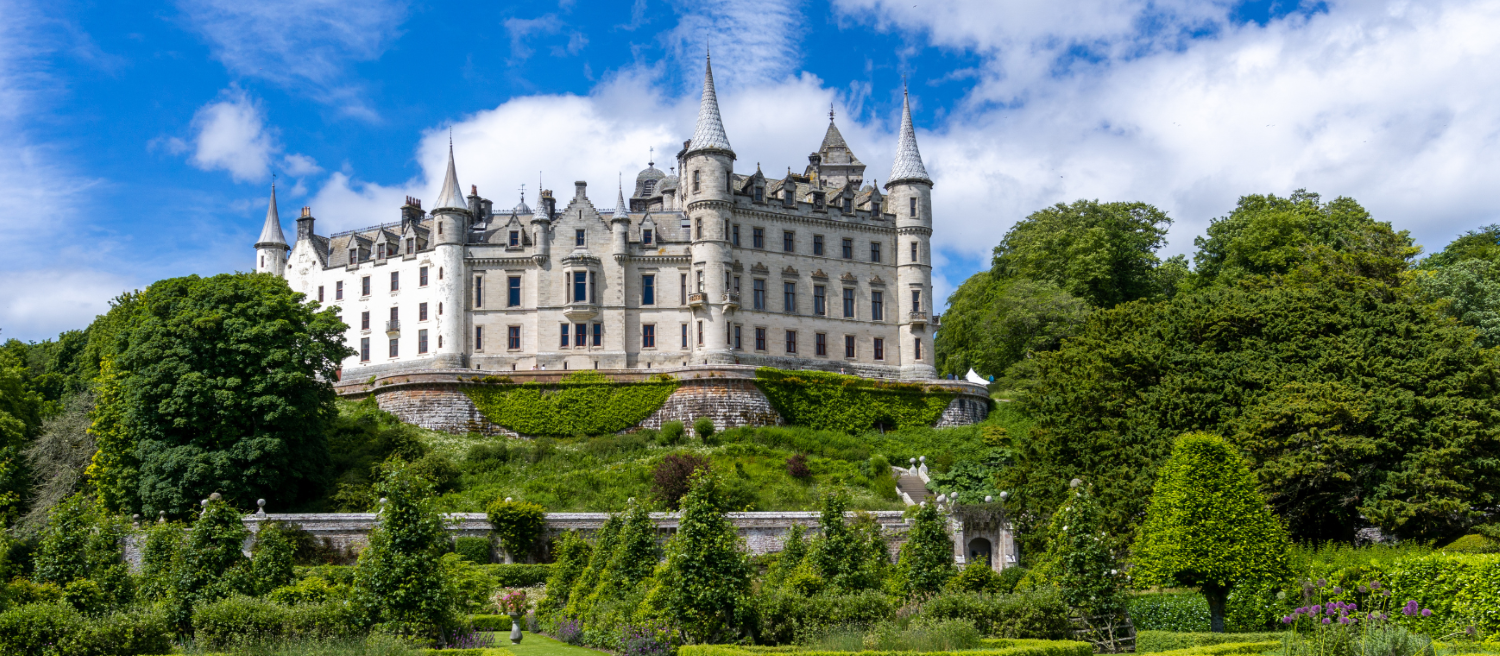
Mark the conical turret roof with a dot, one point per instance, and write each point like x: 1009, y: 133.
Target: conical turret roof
x: 270, y: 234
x: 908, y: 166
x: 709, y: 135
x: 620, y: 206
x: 451, y: 196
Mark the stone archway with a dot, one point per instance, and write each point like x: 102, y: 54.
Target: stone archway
x: 980, y: 548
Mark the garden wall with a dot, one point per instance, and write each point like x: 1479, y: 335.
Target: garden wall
x: 434, y: 399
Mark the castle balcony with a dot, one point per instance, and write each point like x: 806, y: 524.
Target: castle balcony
x: 393, y: 327
x: 578, y: 311
x: 697, y: 300
x: 731, y: 300
x: 917, y: 318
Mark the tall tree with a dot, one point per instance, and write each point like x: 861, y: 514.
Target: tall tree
x: 704, y: 587
x: 399, y: 583
x: 993, y: 325
x: 926, y: 562
x: 1104, y: 253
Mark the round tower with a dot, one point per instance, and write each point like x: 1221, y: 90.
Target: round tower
x: 909, y: 197
x: 450, y: 227
x: 271, y: 248
x: 706, y: 186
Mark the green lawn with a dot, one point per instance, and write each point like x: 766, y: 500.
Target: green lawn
x: 533, y: 644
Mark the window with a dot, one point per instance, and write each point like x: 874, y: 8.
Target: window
x: 513, y: 337
x: 917, y: 352
x: 699, y: 289
x: 914, y: 251
x: 758, y: 237
x: 820, y: 300
x: 648, y: 336
x: 394, y: 348
x: 338, y: 290
x: 848, y: 346
x: 737, y: 344
x: 364, y: 349
x: 820, y: 344
x: 735, y: 235
x: 513, y: 292
x: 578, y: 238
x: 598, y: 334
x: 736, y: 284
x: 320, y: 293
x: 848, y: 303
x: 411, y: 246
x: 789, y: 297
x: 700, y: 333
x: 817, y: 244
x: 848, y: 205
x: 515, y: 238
x: 848, y: 249
x: 646, y: 233
x: 648, y: 289
x: 787, y: 242
x: 791, y: 341
x: 354, y: 256
x: 479, y: 338
x: 440, y: 275
x: 395, y: 320
x: 364, y: 320
x: 422, y: 312
x: 422, y: 277
x: 395, y: 280
x: 874, y: 251
x: 565, y: 328
x: 684, y: 336
x: 478, y: 291
x: 684, y: 292
x: 364, y: 286
x: 422, y: 341
x: 916, y: 300
x: 760, y: 339
x: 877, y: 306
x: 580, y: 286
x: 440, y: 313
x: 760, y: 194
x: 817, y: 201
x: 879, y: 349
x: 581, y: 335
x: 760, y: 294
x: 696, y: 176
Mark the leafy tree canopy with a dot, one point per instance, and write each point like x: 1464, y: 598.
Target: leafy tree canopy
x: 993, y: 325
x: 1468, y: 291
x: 1104, y: 253
x: 1480, y: 244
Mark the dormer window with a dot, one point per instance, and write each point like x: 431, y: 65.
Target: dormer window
x: 354, y: 256
x: 515, y: 238
x: 411, y: 246
x: 848, y: 205
x: 760, y: 194
x: 818, y: 201
x: 578, y: 238
x: 646, y: 234
x: 650, y: 185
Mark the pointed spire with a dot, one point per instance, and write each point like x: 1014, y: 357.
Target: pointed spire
x: 908, y: 166
x: 620, y: 206
x: 709, y: 135
x: 451, y: 196
x: 271, y: 234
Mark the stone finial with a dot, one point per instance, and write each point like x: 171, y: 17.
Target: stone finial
x: 261, y: 503
x: 215, y: 496
x: 161, y: 517
x: 1004, y: 495
x: 1073, y: 484
x: 923, y: 459
x: 135, y: 520
x: 989, y: 499
x: 203, y: 503
x: 913, y: 461
x: 508, y: 499
x: 942, y: 498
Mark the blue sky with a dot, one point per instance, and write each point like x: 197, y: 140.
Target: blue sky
x: 137, y: 140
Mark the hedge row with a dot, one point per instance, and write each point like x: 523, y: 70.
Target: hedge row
x: 1225, y: 649
x: 850, y: 404
x: 1462, y: 590
x: 1162, y: 641
x: 585, y: 403
x: 234, y: 621
x: 488, y: 651
x: 489, y: 622
x: 66, y: 632
x: 991, y: 648
x: 516, y: 575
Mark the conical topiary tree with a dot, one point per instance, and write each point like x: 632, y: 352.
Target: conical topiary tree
x: 705, y: 585
x: 1080, y: 559
x: 399, y: 582
x: 1207, y: 526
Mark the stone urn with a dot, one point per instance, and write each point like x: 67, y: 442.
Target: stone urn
x: 515, y: 628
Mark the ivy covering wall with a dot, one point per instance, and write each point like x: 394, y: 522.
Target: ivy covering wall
x: 584, y: 403
x: 829, y: 401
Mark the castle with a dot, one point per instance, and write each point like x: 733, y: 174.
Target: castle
x: 817, y: 270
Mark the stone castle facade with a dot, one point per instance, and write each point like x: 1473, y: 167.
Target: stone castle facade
x: 817, y: 270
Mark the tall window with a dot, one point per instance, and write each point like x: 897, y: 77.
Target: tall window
x: 912, y: 205
x: 353, y: 257
x: 848, y: 249
x: 848, y: 346
x: 421, y: 312
x: 578, y: 238
x: 820, y: 344
x: 395, y: 351
x: 364, y: 349
x: 364, y: 320
x: 320, y: 293
x: 700, y: 333
x: 684, y: 336
x: 917, y: 352
x: 395, y: 280
x: 697, y: 228
x: 598, y: 334
x: 646, y: 236
x: 513, y: 337
x: 737, y: 344
x: 817, y: 244
x: 411, y: 246
x: 513, y: 291
x: 758, y: 237
x: 515, y: 238
x: 874, y: 251
x: 648, y: 289
x: 848, y: 205
x: 699, y: 288
x: 580, y: 286
x: 422, y: 341
x: 760, y: 294
x: 364, y: 286
x: 648, y: 336
x: 877, y: 306
x: 760, y: 339
x: 820, y: 300
x: 683, y: 290
x: 916, y: 300
x: 789, y: 297
x: 581, y: 335
x: 696, y: 177
x: 788, y: 243
x: 478, y: 291
x: 422, y: 277
x: 479, y: 338
x: 760, y: 194
x: 395, y: 320
x: 734, y: 235
x: 879, y: 349
x: 338, y: 290
x: 848, y: 303
x: 914, y: 251
x: 791, y: 341
x: 565, y: 327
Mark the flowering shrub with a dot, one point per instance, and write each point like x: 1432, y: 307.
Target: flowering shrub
x: 649, y: 640
x: 1334, y: 627
x: 512, y: 603
x: 570, y: 630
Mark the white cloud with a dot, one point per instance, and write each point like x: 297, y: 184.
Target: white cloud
x: 300, y: 165
x: 232, y: 137
x: 40, y: 303
x: 759, y: 41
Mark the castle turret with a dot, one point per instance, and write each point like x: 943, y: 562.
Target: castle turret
x: 910, y: 199
x: 450, y: 220
x: 619, y: 225
x: 707, y: 181
x: 271, y: 248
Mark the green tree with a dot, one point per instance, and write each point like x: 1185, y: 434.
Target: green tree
x: 271, y: 557
x: 606, y: 540
x: 21, y: 410
x: 224, y: 386
x: 1480, y: 244
x: 1104, y: 253
x: 160, y: 552
x: 400, y: 585
x: 926, y: 563
x: 1208, y: 527
x: 82, y: 543
x: 848, y: 558
x: 1081, y: 559
x: 1268, y: 235
x: 1351, y: 406
x: 1468, y: 291
x: 704, y: 586
x: 995, y: 325
x: 211, y: 564
x: 517, y: 525
x: 572, y: 559
x: 793, y: 552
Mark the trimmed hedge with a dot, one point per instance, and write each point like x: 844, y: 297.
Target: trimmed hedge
x: 1461, y: 589
x: 1226, y: 649
x: 58, y: 630
x: 229, y: 622
x: 584, y: 403
x: 991, y: 648
x: 850, y: 404
x: 1034, y: 615
x: 490, y: 622
x: 517, y: 575
x: 1183, y: 612
x: 474, y: 550
x: 785, y: 617
x: 1162, y: 641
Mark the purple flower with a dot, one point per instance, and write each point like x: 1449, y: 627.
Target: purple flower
x: 1322, y: 582
x: 1318, y: 609
x: 1326, y: 620
x: 1374, y: 585
x: 1287, y: 620
x: 1338, y: 590
x: 1426, y: 612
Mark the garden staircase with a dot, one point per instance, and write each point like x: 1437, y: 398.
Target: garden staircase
x: 912, y: 485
